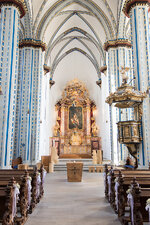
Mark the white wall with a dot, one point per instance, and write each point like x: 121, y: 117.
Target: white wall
x: 73, y: 66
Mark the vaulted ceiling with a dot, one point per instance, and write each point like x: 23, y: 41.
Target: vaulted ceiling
x: 68, y: 26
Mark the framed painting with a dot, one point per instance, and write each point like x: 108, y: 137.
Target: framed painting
x: 75, y: 117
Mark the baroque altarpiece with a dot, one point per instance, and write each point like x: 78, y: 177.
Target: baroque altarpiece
x: 75, y: 133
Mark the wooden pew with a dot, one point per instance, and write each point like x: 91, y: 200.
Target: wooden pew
x: 45, y: 161
x: 110, y: 176
x: 25, y: 192
x: 8, y: 204
x: 143, y: 180
x: 22, y: 178
x: 137, y: 202
x: 6, y: 174
x: 123, y: 184
x: 124, y: 179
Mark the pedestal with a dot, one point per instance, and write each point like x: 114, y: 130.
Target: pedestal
x: 74, y: 171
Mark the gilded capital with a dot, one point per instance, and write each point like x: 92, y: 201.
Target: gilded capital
x: 117, y: 43
x: 19, y: 4
x: 129, y: 4
x: 32, y: 43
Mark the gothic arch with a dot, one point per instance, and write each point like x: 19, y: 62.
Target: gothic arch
x: 67, y: 43
x: 60, y: 37
x: 60, y: 5
x: 54, y: 66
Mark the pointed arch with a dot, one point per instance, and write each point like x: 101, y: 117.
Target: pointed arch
x: 60, y: 5
x: 54, y: 66
x: 82, y: 42
x: 61, y: 36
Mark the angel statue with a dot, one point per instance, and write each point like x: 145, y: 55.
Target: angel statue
x: 123, y: 71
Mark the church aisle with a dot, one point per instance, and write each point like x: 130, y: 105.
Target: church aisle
x: 67, y: 203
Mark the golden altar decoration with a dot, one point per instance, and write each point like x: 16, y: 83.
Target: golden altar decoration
x: 75, y: 131
x: 74, y: 171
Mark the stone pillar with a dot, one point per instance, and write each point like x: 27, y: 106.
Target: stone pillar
x: 119, y: 54
x: 137, y: 10
x: 27, y: 129
x: 11, y: 12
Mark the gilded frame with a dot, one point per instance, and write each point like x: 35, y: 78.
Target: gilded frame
x: 82, y: 119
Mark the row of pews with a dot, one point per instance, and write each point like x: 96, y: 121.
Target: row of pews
x: 128, y: 192
x: 20, y: 191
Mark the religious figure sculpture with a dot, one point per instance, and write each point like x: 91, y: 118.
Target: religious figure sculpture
x: 124, y: 76
x: 94, y: 129
x: 126, y: 131
x: 75, y: 139
x: 56, y: 129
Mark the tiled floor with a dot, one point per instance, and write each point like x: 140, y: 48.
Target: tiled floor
x: 73, y: 203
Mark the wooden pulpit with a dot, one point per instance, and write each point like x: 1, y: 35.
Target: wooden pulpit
x: 74, y: 171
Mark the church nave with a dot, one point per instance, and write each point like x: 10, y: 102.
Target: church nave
x: 67, y: 203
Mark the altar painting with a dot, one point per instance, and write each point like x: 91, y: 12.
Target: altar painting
x: 75, y: 117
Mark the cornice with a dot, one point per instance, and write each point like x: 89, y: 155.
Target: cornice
x: 19, y: 4
x: 129, y: 4
x: 32, y: 43
x: 117, y: 43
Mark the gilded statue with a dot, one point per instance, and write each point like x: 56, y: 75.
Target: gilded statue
x: 135, y: 131
x: 94, y: 129
x: 126, y: 131
x: 75, y: 139
x: 56, y: 129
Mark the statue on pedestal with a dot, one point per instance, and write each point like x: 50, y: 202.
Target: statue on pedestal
x: 75, y: 139
x: 94, y: 129
x: 56, y: 129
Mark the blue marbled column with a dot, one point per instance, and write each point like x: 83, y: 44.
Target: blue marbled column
x: 27, y: 128
x: 119, y: 54
x: 140, y: 36
x: 9, y: 53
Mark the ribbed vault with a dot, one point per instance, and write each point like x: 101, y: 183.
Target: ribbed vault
x: 55, y: 22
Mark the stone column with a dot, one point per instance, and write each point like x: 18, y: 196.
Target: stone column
x: 119, y: 54
x: 11, y: 12
x: 27, y: 129
x: 137, y: 11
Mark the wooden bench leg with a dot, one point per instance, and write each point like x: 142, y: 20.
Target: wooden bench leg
x: 92, y: 169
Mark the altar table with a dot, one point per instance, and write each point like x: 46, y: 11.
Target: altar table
x: 74, y: 171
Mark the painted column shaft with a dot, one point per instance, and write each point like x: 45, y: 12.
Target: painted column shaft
x: 29, y: 104
x: 117, y: 57
x: 140, y: 36
x: 9, y: 41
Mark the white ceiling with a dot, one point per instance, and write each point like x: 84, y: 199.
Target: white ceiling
x: 76, y: 25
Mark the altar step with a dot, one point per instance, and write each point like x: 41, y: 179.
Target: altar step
x: 61, y: 166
